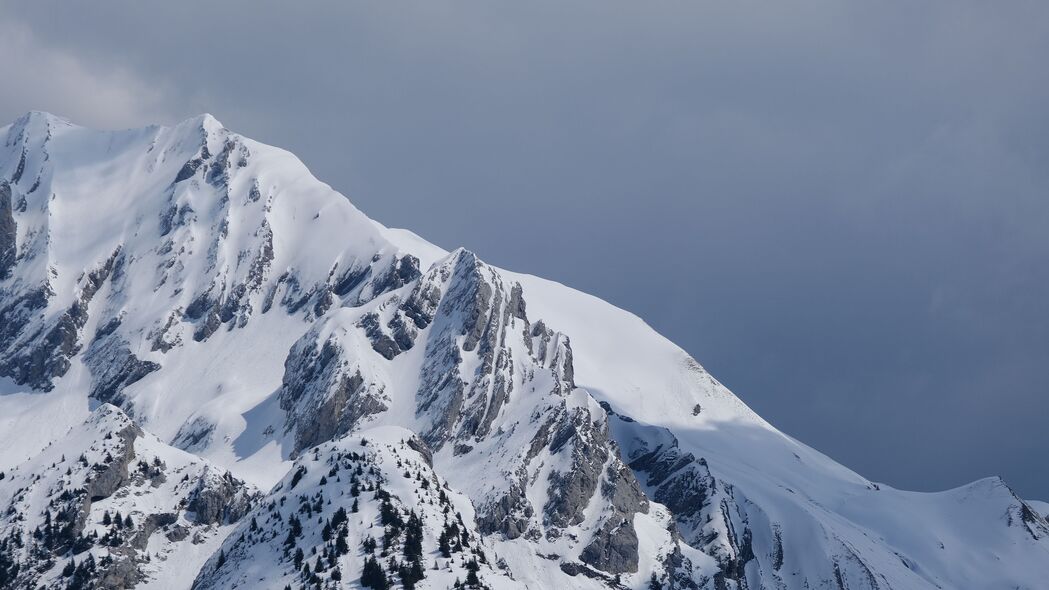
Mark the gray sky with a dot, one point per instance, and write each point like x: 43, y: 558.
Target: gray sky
x: 840, y: 208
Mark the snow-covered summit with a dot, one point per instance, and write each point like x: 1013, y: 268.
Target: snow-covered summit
x: 194, y: 297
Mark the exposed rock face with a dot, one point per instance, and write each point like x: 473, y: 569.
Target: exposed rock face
x: 219, y: 498
x: 613, y: 548
x: 479, y: 351
x: 112, y: 364
x: 467, y: 311
x: 24, y: 356
x: 595, y: 462
x: 706, y: 516
x: 323, y: 392
x: 37, y: 354
x: 680, y: 481
x: 8, y: 232
x: 113, y: 473
x: 121, y: 574
x: 509, y: 514
x: 195, y: 435
x: 572, y: 488
x: 472, y: 319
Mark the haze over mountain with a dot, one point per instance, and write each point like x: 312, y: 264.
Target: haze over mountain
x: 218, y: 373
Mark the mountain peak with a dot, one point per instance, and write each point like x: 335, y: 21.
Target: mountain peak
x: 35, y: 124
x: 41, y: 117
x: 205, y: 121
x: 236, y: 323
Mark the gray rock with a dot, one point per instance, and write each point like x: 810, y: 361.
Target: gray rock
x: 322, y: 395
x: 189, y: 169
x: 382, y: 343
x: 402, y: 271
x: 510, y: 515
x: 149, y: 525
x: 111, y: 476
x: 571, y: 490
x: 577, y: 569
x: 684, y: 484
x: 8, y: 232
x: 614, y: 547
x: 419, y: 446
x: 122, y: 574
x: 220, y: 500
x: 112, y: 364
x: 351, y: 279
x: 37, y: 354
x: 465, y: 301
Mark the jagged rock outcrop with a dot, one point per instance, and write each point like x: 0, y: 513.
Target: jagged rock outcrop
x: 324, y: 391
x: 8, y: 231
x: 482, y: 363
x: 706, y: 514
x: 595, y: 471
x: 219, y: 498
x: 614, y: 546
x: 112, y: 364
x: 39, y: 353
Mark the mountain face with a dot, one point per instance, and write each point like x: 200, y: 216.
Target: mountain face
x: 215, y: 372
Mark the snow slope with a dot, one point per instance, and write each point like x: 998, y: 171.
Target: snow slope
x: 246, y: 317
x: 1042, y: 508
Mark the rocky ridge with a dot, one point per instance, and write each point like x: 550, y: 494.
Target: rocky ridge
x: 272, y: 390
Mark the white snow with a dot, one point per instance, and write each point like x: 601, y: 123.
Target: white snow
x: 89, y: 194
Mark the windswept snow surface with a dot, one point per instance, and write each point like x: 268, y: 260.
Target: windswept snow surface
x: 249, y: 322
x: 1042, y: 508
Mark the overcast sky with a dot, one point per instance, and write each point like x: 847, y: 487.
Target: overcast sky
x: 840, y: 208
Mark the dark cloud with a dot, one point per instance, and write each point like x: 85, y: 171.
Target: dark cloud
x: 841, y: 209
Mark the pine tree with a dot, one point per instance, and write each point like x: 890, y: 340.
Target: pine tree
x: 373, y: 576
x: 411, y: 572
x: 444, y: 546
x: 369, y: 545
x: 471, y: 573
x: 413, y: 537
x: 339, y: 517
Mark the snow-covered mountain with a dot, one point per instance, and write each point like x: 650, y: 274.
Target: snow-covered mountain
x: 215, y: 372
